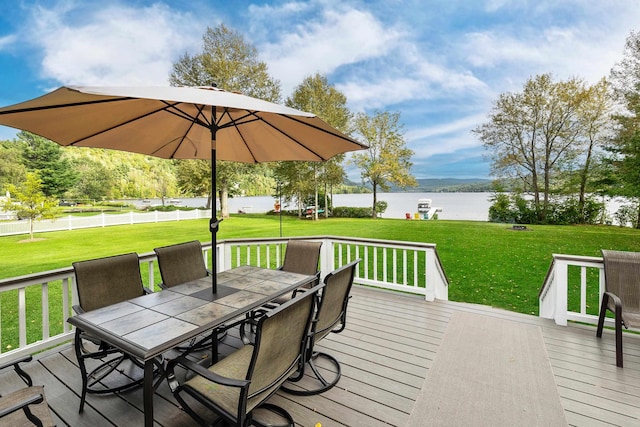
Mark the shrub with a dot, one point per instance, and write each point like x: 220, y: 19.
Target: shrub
x: 349, y: 212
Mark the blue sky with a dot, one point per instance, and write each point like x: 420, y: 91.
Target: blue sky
x: 440, y: 63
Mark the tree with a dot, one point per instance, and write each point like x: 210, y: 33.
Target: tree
x: 29, y: 201
x: 297, y: 182
x: 228, y: 62
x: 12, y: 171
x: 625, y: 148
x: 317, y: 96
x: 536, y: 134
x: 594, y: 120
x: 387, y: 160
x: 45, y: 157
x: 194, y: 178
x: 95, y: 180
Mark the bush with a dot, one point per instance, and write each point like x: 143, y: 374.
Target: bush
x: 516, y: 209
x: 349, y: 212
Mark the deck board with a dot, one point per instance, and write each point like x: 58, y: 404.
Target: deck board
x: 390, y: 342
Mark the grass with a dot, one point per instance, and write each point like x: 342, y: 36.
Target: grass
x: 485, y: 263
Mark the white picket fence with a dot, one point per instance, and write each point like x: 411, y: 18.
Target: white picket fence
x: 72, y: 222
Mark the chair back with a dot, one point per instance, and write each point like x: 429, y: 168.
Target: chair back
x: 332, y: 308
x: 302, y: 257
x: 181, y: 263
x: 622, y: 278
x: 281, y: 338
x: 105, y: 281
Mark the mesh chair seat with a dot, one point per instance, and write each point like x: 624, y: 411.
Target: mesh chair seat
x: 181, y: 263
x: 622, y: 294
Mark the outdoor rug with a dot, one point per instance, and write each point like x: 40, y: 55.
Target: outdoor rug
x: 489, y: 372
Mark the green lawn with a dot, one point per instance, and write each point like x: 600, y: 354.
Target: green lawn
x: 486, y: 263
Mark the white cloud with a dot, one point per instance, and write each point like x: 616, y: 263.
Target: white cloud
x: 6, y: 41
x: 115, y: 45
x: 335, y: 39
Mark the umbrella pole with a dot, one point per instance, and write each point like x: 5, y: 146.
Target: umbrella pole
x: 214, y: 223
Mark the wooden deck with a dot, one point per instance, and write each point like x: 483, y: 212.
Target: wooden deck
x: 385, y: 352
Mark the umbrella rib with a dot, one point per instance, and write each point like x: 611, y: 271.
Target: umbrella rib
x: 57, y: 106
x: 234, y: 123
x: 166, y: 108
x: 183, y: 138
x: 200, y: 118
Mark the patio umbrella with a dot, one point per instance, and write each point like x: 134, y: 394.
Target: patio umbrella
x: 179, y: 123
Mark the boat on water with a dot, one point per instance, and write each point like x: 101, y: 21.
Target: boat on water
x: 425, y: 210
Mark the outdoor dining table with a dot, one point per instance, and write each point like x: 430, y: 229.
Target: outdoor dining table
x: 147, y: 326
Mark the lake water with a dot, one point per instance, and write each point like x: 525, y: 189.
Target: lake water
x: 455, y: 206
x: 463, y: 206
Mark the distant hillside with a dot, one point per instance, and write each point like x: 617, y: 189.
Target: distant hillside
x: 444, y: 185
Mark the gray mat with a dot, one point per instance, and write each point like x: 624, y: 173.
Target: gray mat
x: 489, y: 372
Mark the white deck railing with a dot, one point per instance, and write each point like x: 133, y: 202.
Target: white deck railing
x: 35, y: 308
x: 572, y: 290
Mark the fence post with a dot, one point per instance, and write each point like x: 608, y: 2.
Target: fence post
x: 561, y: 289
x: 430, y: 275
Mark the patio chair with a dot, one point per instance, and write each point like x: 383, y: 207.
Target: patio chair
x: 622, y: 293
x: 330, y: 316
x: 243, y: 381
x: 26, y: 406
x: 182, y: 263
x: 302, y: 257
x: 100, y: 283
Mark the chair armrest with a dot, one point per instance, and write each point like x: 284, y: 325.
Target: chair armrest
x: 77, y: 309
x: 15, y: 362
x: 20, y: 404
x: 203, y: 372
x: 147, y: 291
x: 25, y: 377
x: 618, y: 307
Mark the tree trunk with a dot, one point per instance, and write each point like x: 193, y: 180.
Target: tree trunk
x: 224, y: 203
x: 326, y: 201
x: 583, y: 183
x: 375, y: 200
x: 315, y: 188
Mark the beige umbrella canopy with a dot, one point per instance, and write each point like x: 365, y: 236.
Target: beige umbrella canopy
x: 179, y: 123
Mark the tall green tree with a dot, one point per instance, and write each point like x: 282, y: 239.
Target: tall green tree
x: 387, y: 160
x: 230, y: 62
x: 534, y: 135
x: 29, y: 201
x: 95, y: 180
x: 45, y: 157
x: 317, y: 96
x: 625, y: 148
x: 194, y: 178
x: 594, y: 116
x: 12, y: 170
